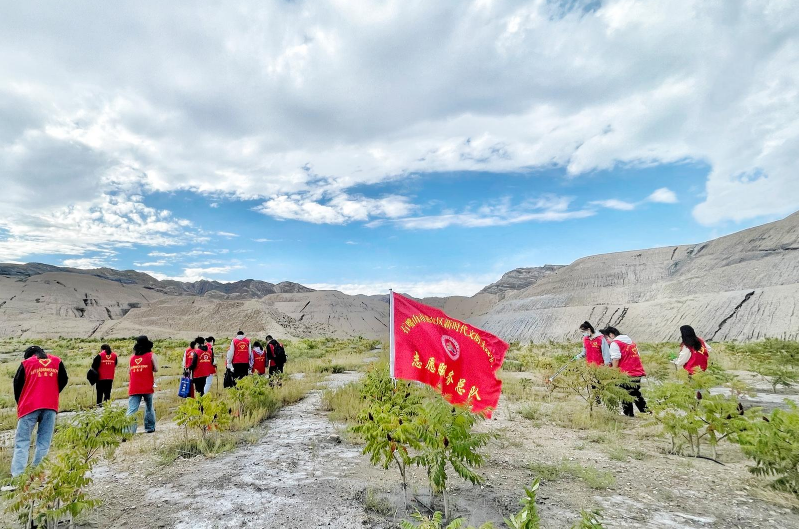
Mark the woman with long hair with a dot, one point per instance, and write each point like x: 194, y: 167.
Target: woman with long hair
x: 694, y: 351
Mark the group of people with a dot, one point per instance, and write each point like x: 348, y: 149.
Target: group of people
x: 41, y: 377
x: 612, y: 348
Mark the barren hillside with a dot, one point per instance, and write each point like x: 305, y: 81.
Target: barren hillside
x: 740, y: 287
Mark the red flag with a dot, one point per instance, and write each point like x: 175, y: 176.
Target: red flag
x: 458, y: 360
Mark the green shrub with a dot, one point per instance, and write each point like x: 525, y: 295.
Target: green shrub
x: 55, y: 490
x: 595, y: 385
x: 773, y: 444
x: 528, y: 517
x: 589, y: 520
x: 685, y: 417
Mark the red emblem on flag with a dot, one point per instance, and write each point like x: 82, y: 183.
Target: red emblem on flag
x: 458, y: 360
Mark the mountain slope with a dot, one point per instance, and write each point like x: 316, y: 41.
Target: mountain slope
x: 742, y: 286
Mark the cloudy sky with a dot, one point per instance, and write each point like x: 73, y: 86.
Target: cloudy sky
x: 429, y: 146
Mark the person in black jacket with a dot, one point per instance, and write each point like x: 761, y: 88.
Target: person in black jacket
x: 102, y: 363
x: 276, y: 354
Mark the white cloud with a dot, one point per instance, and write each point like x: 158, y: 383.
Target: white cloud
x: 196, y: 274
x: 497, y: 213
x: 662, y: 196
x: 339, y: 209
x: 464, y: 285
x: 267, y: 240
x: 613, y: 203
x: 294, y: 106
x: 152, y: 263
x: 110, y: 222
x: 85, y: 262
x: 227, y: 234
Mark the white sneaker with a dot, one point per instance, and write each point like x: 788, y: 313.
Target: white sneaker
x: 7, y: 488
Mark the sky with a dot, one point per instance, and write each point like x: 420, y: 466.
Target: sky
x: 360, y: 146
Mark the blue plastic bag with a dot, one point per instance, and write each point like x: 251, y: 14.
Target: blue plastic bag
x: 185, y: 387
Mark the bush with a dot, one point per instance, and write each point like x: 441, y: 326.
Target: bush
x: 773, y: 444
x: 55, y: 490
x: 528, y: 517
x: 447, y: 440
x: 685, y: 417
x: 595, y: 385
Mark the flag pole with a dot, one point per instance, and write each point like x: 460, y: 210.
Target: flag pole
x: 391, y: 334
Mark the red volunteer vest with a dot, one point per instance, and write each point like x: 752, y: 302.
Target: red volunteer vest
x: 204, y: 364
x: 211, y: 350
x: 699, y: 358
x: 40, y: 391
x: 630, y: 362
x: 141, y: 375
x: 241, y: 351
x: 259, y: 362
x: 594, y: 350
x: 188, y: 357
x: 108, y: 365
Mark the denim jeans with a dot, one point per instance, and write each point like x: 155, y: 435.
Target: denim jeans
x: 22, y: 439
x: 149, y: 411
x: 207, y: 389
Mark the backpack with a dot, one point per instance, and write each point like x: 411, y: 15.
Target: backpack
x: 279, y: 352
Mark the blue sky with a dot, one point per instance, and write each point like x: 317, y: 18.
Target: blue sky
x: 362, y: 145
x: 243, y: 243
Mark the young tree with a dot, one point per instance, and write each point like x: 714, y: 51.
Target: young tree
x: 55, y: 490
x: 388, y: 424
x: 528, y: 517
x: 597, y: 385
x: 772, y: 443
x: 448, y: 441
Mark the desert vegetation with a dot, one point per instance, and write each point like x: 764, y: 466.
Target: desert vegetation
x: 565, y: 441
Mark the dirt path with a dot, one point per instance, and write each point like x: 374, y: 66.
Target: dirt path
x: 294, y: 476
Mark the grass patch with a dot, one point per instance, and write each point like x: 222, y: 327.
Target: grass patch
x: 344, y: 403
x: 592, y: 477
x: 376, y: 503
x: 190, y: 447
x: 532, y: 412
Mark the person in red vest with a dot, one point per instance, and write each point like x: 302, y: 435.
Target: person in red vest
x: 105, y: 363
x: 259, y: 359
x: 694, y: 351
x: 240, y: 356
x: 38, y: 382
x: 203, y: 366
x: 189, y: 363
x: 276, y: 354
x: 186, y: 360
x: 210, y: 343
x: 143, y: 366
x: 625, y: 356
x: 595, y: 346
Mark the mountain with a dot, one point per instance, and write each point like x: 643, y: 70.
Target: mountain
x: 519, y: 279
x: 742, y: 286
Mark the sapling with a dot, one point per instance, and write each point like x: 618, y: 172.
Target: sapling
x: 448, y: 441
x: 597, y: 385
x: 388, y: 423
x: 528, y: 517
x: 55, y: 489
x: 772, y: 443
x: 687, y: 411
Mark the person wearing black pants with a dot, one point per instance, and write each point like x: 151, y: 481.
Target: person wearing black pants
x: 105, y: 363
x: 634, y: 390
